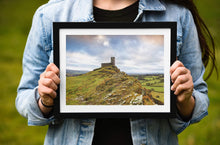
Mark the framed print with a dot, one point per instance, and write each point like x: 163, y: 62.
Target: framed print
x: 112, y: 70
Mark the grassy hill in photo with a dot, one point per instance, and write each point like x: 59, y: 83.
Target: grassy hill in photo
x: 107, y: 86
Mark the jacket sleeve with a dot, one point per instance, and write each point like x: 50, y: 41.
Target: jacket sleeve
x: 35, y: 60
x: 190, y: 56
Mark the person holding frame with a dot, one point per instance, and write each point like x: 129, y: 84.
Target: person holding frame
x: 40, y: 79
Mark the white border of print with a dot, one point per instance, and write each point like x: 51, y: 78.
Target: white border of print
x: 166, y: 32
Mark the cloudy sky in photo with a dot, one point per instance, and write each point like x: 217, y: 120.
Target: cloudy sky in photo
x: 133, y: 53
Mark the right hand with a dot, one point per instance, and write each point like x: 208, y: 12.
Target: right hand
x: 47, y: 85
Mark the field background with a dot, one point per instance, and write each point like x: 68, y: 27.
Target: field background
x: 153, y: 83
x: 15, y: 23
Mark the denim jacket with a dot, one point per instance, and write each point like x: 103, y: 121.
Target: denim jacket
x: 39, y: 53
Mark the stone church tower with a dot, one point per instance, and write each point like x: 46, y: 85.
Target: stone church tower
x: 113, y: 61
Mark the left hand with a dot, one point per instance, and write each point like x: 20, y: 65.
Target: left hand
x: 183, y: 88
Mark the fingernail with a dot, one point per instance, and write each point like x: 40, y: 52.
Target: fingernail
x: 175, y: 93
x: 172, y: 88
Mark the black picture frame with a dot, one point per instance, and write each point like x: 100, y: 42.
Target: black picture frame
x: 86, y: 32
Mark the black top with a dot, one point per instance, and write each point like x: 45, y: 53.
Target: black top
x: 127, y: 14
x: 114, y: 131
x: 111, y: 131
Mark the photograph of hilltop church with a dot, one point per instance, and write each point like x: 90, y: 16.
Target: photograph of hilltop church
x: 114, y: 70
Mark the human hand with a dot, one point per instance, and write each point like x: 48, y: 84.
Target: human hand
x: 183, y: 88
x: 47, y: 86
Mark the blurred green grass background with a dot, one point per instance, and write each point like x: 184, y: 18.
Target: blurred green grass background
x: 15, y: 23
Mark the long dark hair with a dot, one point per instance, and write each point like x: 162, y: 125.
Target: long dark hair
x: 205, y: 38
